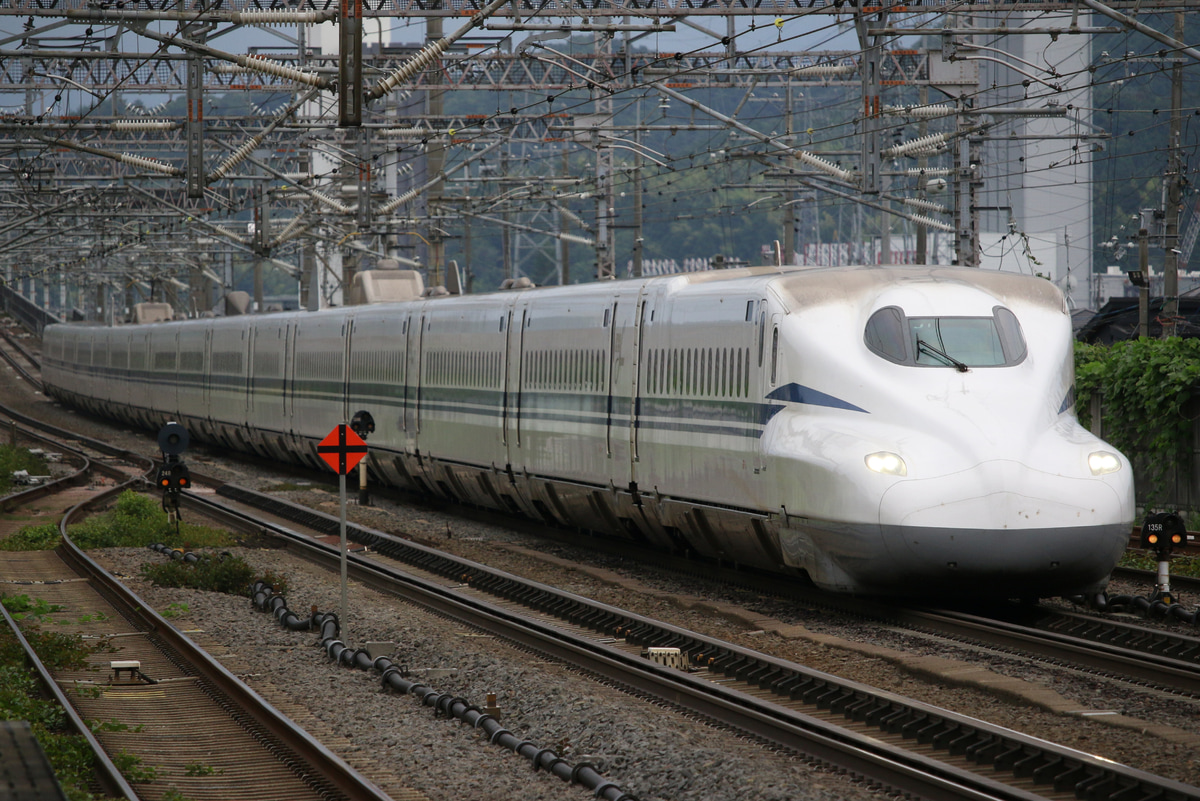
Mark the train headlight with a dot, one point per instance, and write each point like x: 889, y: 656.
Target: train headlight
x: 1102, y: 462
x: 886, y: 462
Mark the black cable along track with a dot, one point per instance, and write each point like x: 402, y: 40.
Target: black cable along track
x: 1026, y: 762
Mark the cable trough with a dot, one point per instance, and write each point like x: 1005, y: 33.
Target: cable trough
x: 906, y: 745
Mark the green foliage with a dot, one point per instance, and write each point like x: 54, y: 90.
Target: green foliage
x: 12, y: 459
x: 22, y: 607
x: 131, y: 768
x: 228, y: 574
x: 1180, y: 565
x: 138, y: 521
x: 21, y: 699
x: 200, y: 769
x: 174, y: 610
x: 1144, y: 384
x: 43, y: 537
x: 98, y: 726
x: 173, y: 794
x: 72, y: 760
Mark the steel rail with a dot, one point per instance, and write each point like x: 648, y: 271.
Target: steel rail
x: 18, y: 367
x: 323, y: 768
x: 1004, y: 750
x: 13, y: 500
x: 21, y: 349
x: 106, y: 772
x: 1091, y: 645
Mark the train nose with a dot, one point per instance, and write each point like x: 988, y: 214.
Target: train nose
x: 1001, y: 519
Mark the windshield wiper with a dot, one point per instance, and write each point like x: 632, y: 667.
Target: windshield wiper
x: 922, y: 345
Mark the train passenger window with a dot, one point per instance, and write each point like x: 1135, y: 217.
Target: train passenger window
x: 955, y: 342
x: 749, y: 311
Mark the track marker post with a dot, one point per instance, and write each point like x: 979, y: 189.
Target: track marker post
x: 342, y: 449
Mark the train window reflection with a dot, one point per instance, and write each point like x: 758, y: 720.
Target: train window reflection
x: 956, y: 342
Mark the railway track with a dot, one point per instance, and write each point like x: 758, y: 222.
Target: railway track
x: 969, y: 746
x: 193, y: 726
x: 906, y: 745
x: 18, y: 356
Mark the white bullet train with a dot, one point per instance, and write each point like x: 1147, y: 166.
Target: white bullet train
x: 884, y: 430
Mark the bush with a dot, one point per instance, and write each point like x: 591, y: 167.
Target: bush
x: 12, y: 459
x: 1144, y: 383
x: 43, y: 537
x: 228, y: 574
x: 138, y: 521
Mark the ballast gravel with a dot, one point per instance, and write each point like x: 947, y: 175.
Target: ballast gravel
x: 651, y: 752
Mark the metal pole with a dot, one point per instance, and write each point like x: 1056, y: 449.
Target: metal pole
x: 344, y: 610
x: 1174, y: 182
x: 1144, y: 292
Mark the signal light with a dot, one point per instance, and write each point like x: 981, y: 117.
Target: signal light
x: 173, y: 477
x: 1163, y: 531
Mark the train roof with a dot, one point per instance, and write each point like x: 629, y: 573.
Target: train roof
x: 796, y: 287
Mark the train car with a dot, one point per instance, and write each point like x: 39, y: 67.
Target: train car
x: 883, y: 430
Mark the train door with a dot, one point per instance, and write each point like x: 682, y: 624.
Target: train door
x: 206, y: 380
x: 760, y: 387
x: 247, y: 386
x: 419, y: 372
x: 641, y: 319
x: 412, y: 373
x: 290, y: 333
x: 610, y: 361
x: 347, y: 336
x: 517, y: 316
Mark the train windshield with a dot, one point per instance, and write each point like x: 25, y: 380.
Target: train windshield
x: 957, y: 342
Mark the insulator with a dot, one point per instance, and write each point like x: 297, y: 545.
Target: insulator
x: 927, y: 205
x: 290, y: 231
x: 929, y: 143
x: 920, y: 111
x: 400, y: 200
x: 149, y: 164
x: 930, y: 222
x: 236, y: 158
x: 406, y: 132
x: 234, y: 235
x: 578, y: 240
x: 917, y: 171
x: 269, y: 67
x: 276, y: 17
x: 824, y: 70
x: 406, y: 71
x: 330, y: 202
x: 143, y: 125
x: 823, y: 165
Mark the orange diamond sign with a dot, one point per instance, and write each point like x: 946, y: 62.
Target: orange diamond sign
x: 342, y: 449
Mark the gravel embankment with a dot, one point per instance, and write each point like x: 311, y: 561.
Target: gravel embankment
x: 650, y: 752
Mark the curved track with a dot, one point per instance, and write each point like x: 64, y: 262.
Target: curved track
x: 185, y: 716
